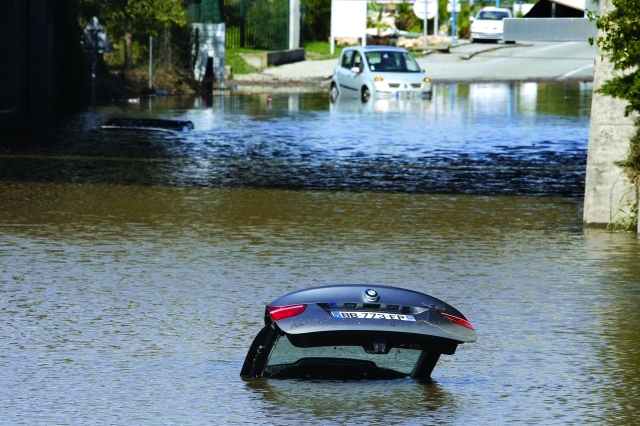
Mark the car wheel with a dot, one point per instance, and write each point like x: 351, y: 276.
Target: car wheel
x: 366, y: 94
x: 333, y: 93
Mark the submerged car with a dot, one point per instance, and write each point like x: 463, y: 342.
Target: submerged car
x: 355, y: 332
x: 366, y: 71
x: 488, y: 24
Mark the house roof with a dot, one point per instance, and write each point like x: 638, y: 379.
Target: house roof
x: 574, y: 4
x: 557, y: 8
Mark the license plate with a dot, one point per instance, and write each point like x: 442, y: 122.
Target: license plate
x: 372, y: 315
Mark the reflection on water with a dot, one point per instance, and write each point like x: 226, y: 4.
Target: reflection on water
x: 359, y: 402
x: 134, y: 267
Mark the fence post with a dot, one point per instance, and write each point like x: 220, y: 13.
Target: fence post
x: 150, y: 62
x: 243, y: 22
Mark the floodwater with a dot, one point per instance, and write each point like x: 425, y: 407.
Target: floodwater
x: 134, y: 267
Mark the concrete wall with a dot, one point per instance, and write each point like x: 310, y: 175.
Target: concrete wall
x: 549, y: 29
x: 607, y: 190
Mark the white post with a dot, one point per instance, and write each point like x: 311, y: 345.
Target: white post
x: 294, y: 24
x: 332, y: 39
x: 364, y: 31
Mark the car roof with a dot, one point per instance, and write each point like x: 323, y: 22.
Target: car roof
x: 376, y: 318
x: 356, y: 292
x: 375, y: 48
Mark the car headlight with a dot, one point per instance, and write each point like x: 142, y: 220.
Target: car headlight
x: 378, y: 78
x: 426, y: 80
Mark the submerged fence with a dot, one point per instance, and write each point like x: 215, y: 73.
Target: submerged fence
x: 257, y: 24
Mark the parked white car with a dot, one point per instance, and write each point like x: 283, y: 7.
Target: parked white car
x: 488, y: 24
x: 366, y: 71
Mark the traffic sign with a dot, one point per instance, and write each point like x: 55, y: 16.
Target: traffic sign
x: 418, y: 8
x: 450, y: 7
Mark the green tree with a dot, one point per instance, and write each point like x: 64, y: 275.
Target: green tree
x: 127, y: 19
x: 405, y: 18
x: 621, y: 39
x: 317, y: 25
x: 375, y: 16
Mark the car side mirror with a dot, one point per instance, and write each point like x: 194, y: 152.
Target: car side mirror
x: 471, y: 19
x: 355, y: 69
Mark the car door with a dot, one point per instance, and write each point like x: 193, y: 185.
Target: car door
x: 356, y: 78
x: 344, y: 73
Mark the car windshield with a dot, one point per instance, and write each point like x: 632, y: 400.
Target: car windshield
x: 338, y: 362
x: 492, y: 15
x: 389, y: 61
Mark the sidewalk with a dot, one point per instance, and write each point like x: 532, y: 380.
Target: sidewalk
x: 304, y: 73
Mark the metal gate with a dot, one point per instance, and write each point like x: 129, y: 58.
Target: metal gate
x: 257, y: 24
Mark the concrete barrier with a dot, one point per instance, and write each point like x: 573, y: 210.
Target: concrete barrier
x: 264, y: 59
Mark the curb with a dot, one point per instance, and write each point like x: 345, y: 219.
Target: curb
x: 491, y: 49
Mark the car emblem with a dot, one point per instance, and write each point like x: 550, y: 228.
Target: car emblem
x: 371, y: 295
x: 405, y: 85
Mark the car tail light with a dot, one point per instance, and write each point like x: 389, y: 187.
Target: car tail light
x: 457, y: 320
x: 378, y: 78
x: 281, y: 312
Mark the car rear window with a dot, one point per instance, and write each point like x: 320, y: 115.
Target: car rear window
x: 388, y: 61
x: 286, y: 354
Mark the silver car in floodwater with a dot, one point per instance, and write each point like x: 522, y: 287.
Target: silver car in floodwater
x: 366, y: 71
x: 355, y: 332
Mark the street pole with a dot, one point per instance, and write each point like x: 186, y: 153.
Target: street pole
x: 453, y: 22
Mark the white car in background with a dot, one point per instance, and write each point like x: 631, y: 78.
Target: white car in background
x: 488, y: 24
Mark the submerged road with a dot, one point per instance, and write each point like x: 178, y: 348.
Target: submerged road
x: 537, y: 61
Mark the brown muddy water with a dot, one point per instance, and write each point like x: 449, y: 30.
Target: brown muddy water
x: 134, y: 267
